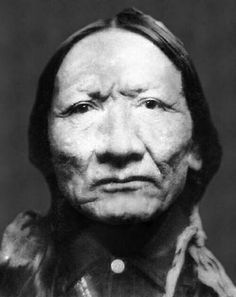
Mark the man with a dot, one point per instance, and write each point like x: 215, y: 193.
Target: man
x: 122, y: 133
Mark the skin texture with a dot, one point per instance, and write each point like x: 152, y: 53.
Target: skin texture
x: 120, y: 130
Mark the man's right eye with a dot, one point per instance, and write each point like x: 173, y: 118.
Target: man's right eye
x: 80, y: 108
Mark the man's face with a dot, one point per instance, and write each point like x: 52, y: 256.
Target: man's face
x: 119, y: 128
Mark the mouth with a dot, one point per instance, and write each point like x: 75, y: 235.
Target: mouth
x: 129, y: 184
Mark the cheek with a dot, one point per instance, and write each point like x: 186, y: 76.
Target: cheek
x: 72, y: 149
x: 166, y: 135
x: 69, y: 139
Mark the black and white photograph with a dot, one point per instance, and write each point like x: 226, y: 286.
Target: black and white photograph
x: 118, y: 148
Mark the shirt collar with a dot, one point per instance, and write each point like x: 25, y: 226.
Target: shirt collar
x: 153, y: 259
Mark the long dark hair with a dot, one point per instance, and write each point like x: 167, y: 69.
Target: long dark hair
x: 204, y: 133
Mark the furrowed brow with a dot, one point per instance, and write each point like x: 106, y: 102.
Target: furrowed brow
x: 97, y: 96
x: 133, y: 92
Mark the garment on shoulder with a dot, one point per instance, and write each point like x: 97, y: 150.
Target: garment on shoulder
x: 31, y: 266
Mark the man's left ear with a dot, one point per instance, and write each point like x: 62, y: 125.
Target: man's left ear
x: 194, y: 158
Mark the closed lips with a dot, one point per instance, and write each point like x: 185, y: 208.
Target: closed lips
x: 131, y: 180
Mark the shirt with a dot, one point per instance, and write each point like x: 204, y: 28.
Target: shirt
x: 36, y: 261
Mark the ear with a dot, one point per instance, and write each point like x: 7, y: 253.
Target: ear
x: 194, y: 158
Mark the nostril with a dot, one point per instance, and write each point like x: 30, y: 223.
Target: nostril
x: 119, y: 161
x: 119, y: 142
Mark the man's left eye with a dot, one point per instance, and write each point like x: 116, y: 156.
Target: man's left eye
x: 155, y: 103
x: 151, y: 104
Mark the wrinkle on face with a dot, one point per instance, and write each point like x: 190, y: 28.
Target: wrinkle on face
x: 121, y: 136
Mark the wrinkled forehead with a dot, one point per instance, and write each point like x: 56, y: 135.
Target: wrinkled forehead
x: 116, y: 56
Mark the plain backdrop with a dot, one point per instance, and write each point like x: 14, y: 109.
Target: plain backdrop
x: 30, y: 31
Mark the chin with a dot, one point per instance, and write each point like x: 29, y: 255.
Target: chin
x: 122, y: 209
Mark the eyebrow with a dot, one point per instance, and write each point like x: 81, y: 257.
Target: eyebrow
x: 99, y: 96
x: 133, y: 92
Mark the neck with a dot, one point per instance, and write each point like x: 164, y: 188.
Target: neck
x: 123, y: 239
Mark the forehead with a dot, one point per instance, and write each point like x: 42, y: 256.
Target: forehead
x: 116, y: 56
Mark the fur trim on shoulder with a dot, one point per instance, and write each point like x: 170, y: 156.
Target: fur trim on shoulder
x: 209, y: 270
x: 211, y: 273
x: 23, y: 243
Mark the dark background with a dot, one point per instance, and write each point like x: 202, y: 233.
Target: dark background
x: 30, y: 31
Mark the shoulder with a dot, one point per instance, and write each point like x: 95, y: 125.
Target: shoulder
x: 189, y: 284
x: 24, y: 244
x: 211, y: 276
x: 202, y: 275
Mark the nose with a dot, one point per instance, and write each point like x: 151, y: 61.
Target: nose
x: 120, y: 143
